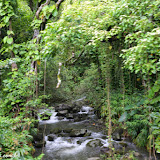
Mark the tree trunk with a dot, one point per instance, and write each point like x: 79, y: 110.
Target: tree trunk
x: 13, y: 65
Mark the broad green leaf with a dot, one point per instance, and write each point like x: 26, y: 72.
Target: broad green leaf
x: 5, y: 39
x: 123, y: 117
x: 51, y: 8
x: 10, y: 40
x: 6, y: 19
x: 55, y: 13
x: 129, y: 107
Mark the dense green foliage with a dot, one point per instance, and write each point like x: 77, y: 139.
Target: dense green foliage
x: 94, y: 40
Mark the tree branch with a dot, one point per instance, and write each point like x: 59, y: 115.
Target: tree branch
x: 78, y: 56
x: 58, y: 4
x: 41, y: 7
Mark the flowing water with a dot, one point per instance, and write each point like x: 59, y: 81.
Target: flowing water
x: 65, y: 146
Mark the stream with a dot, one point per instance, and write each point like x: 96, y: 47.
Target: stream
x: 75, y: 133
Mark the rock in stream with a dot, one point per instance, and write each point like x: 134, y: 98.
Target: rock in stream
x: 73, y: 133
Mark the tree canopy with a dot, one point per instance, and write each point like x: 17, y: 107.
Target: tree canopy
x: 109, y: 49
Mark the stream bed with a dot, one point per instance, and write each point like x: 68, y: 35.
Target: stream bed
x: 75, y: 133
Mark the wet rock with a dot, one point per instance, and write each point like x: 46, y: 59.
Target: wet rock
x: 55, y: 131
x: 105, y: 149
x: 60, y: 118
x: 69, y: 116
x: 82, y: 116
x: 38, y: 137
x: 80, y: 101
x: 95, y: 143
x: 40, y: 144
x: 136, y: 154
x: 51, y: 137
x: 123, y: 144
x: 117, y: 134
x: 79, y: 117
x: 117, y: 146
x: 78, y: 132
x: 94, y: 158
x: 77, y: 105
x: 63, y: 135
x: 62, y: 113
x: 75, y: 109
x: 62, y: 107
x: 68, y: 130
x: 87, y: 134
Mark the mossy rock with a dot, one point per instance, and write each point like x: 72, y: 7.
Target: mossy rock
x: 40, y: 144
x: 95, y: 143
x: 51, y: 137
x: 123, y: 144
x: 38, y: 137
x: 55, y: 131
x: 78, y: 132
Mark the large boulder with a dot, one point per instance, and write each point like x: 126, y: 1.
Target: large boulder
x: 62, y: 107
x: 80, y: 102
x: 62, y: 113
x: 39, y: 144
x: 95, y: 143
x: 51, y: 137
x: 79, y: 117
x: 105, y: 149
x: 123, y: 144
x: 38, y: 137
x: 78, y: 132
x: 75, y: 109
x: 117, y: 146
x: 69, y: 116
x: 117, y: 134
x: 67, y: 130
x: 82, y: 116
x: 55, y: 131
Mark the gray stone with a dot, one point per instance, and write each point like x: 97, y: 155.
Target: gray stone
x: 87, y: 134
x: 78, y: 132
x: 80, y: 117
x: 62, y: 107
x: 136, y: 154
x: 117, y: 146
x: 51, y: 137
x: 117, y: 134
x: 69, y: 116
x: 95, y: 143
x: 55, y: 131
x: 62, y: 113
x: 40, y: 144
x: 104, y: 149
x: 68, y: 130
x: 123, y: 144
x: 38, y: 137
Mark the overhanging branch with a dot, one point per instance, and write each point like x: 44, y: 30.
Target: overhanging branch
x: 41, y: 7
x: 78, y: 56
x: 58, y: 4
